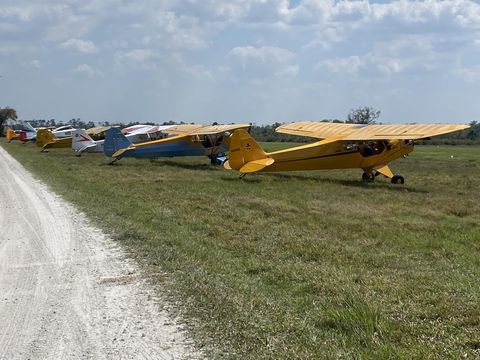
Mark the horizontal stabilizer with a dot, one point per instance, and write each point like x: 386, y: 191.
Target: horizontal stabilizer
x: 85, y: 148
x: 121, y: 151
x: 256, y: 165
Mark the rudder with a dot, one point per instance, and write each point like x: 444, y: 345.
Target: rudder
x: 245, y: 155
x: 81, y: 141
x: 115, y: 141
x: 11, y: 134
x: 44, y: 136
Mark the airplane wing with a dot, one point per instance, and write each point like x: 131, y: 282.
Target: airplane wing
x: 361, y: 132
x: 217, y: 129
x: 319, y: 130
x: 97, y: 130
x: 402, y: 132
x: 183, y: 129
x: 190, y: 129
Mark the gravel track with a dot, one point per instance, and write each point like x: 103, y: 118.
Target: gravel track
x: 66, y: 290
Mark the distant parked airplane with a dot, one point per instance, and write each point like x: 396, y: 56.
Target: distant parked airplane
x: 82, y: 142
x: 180, y: 140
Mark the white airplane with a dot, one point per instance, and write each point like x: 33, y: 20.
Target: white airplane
x: 82, y: 142
x: 63, y: 131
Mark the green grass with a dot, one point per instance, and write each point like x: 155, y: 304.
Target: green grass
x: 297, y: 265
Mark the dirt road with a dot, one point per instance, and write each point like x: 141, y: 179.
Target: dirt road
x: 66, y: 291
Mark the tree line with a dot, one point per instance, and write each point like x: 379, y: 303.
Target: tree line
x: 361, y: 115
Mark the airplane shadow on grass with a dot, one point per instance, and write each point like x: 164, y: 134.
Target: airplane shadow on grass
x: 161, y: 163
x: 351, y: 183
x: 203, y: 167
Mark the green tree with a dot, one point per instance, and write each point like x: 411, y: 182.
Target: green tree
x: 5, y: 114
x: 363, y: 115
x: 474, y: 131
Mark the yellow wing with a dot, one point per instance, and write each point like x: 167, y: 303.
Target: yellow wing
x: 368, y: 132
x: 319, y: 130
x: 217, y: 129
x: 195, y: 129
x: 402, y: 132
x: 97, y: 130
x: 183, y: 129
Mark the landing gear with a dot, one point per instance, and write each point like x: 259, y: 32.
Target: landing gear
x: 398, y: 179
x: 368, y: 178
x: 113, y: 161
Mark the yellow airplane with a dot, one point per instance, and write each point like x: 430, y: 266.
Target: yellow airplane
x: 343, y: 146
x: 46, y: 139
x: 11, y: 135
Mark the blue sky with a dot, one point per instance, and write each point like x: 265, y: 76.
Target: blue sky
x: 259, y: 61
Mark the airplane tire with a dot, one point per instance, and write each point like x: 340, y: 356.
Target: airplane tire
x: 398, y: 179
x: 368, y: 178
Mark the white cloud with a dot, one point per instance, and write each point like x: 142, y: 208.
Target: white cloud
x: 87, y: 70
x: 84, y: 46
x: 348, y: 65
x: 145, y: 59
x: 209, y: 43
x: 265, y: 61
x: 262, y: 54
x: 35, y: 63
x: 470, y: 75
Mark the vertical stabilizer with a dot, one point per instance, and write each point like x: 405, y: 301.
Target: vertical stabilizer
x: 81, y: 141
x: 44, y: 137
x: 245, y: 155
x: 115, y: 143
x: 11, y: 134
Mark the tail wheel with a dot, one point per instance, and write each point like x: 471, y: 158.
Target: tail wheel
x: 368, y: 177
x: 398, y: 179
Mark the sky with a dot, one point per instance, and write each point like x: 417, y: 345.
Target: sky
x: 258, y: 61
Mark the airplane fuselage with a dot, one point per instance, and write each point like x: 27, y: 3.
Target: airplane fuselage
x: 172, y: 148
x: 338, y: 155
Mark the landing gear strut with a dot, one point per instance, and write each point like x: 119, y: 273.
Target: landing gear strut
x: 368, y: 177
x: 398, y: 179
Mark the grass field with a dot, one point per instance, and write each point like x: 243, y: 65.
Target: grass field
x: 297, y: 265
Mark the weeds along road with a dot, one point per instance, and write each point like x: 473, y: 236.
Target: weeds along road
x: 67, y: 292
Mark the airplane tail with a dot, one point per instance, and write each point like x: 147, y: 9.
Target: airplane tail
x: 44, y: 137
x: 11, y: 134
x: 81, y: 141
x: 116, y: 143
x: 245, y: 155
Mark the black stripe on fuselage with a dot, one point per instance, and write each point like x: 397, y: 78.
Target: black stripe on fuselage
x: 319, y: 157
